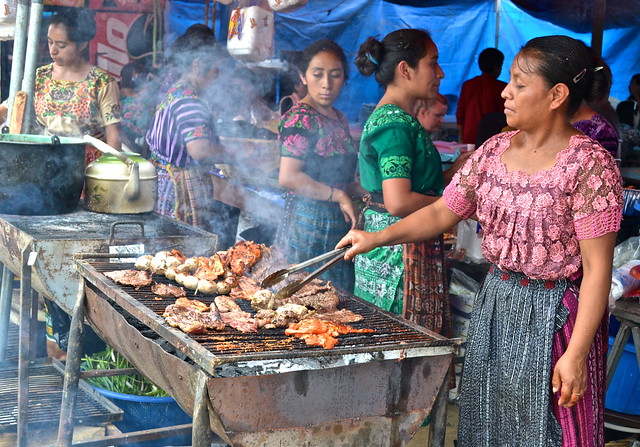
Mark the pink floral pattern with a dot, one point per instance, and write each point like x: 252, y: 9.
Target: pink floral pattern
x: 532, y: 222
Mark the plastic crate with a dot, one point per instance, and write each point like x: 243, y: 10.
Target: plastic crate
x: 623, y: 394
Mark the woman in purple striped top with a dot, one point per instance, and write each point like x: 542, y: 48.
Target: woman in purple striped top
x: 182, y: 136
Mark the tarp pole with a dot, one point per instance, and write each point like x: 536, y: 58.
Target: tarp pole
x: 497, y: 35
x: 19, y: 45
x: 31, y: 62
x: 597, y: 22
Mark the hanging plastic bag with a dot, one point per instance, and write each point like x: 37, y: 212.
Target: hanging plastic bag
x: 251, y: 34
x: 286, y: 5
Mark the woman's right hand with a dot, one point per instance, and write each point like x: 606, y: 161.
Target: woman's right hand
x: 360, y: 241
x: 348, y: 208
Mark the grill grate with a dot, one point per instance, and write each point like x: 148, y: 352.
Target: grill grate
x: 45, y: 398
x: 389, y: 330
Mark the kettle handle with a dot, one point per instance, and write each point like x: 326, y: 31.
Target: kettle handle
x: 104, y: 147
x: 132, y: 188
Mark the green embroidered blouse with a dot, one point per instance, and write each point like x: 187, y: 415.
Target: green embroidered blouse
x: 395, y: 145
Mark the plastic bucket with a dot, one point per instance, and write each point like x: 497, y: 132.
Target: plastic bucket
x: 623, y: 394
x: 145, y: 413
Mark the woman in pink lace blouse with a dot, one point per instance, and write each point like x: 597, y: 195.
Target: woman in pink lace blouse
x: 549, y: 200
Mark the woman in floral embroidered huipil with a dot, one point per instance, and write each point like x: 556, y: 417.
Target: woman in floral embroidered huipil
x: 549, y: 200
x: 73, y: 97
x: 318, y: 164
x: 402, y: 170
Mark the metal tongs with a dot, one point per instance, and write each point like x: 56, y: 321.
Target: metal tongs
x: 334, y: 257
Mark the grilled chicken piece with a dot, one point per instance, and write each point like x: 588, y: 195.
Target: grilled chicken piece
x: 264, y: 318
x: 242, y: 256
x: 338, y: 316
x: 289, y: 313
x: 130, y: 277
x: 321, y: 333
x: 209, y: 268
x: 227, y: 304
x: 196, y: 305
x: 245, y: 289
x: 190, y: 320
x: 242, y: 321
x: 168, y: 290
x: 317, y: 294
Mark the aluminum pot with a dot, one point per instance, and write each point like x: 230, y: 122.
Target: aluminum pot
x: 39, y: 174
x: 120, y: 182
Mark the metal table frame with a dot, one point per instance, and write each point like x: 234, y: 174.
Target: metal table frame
x: 203, y: 416
x: 29, y: 305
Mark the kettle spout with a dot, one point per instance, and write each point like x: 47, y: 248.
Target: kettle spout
x: 132, y: 188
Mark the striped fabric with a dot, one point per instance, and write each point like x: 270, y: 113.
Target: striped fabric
x: 426, y: 289
x: 583, y: 424
x: 313, y: 227
x: 185, y: 195
x: 179, y: 119
x: 505, y: 397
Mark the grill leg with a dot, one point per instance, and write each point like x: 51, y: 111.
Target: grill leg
x: 26, y: 302
x: 438, y: 425
x: 72, y: 371
x: 201, y: 430
x: 5, y: 309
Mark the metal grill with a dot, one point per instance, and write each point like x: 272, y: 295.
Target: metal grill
x: 390, y: 331
x: 45, y: 396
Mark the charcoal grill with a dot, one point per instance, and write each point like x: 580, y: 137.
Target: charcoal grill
x: 268, y: 389
x: 40, y: 249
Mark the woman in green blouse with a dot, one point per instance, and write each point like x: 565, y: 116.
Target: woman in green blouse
x: 402, y: 170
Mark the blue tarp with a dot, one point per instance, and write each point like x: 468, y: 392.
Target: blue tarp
x: 461, y: 29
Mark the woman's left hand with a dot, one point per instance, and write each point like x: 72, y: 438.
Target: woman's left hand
x: 569, y: 379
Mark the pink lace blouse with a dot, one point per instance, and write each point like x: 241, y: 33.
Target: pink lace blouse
x: 532, y: 222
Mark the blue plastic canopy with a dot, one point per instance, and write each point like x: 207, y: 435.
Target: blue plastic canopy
x: 460, y: 28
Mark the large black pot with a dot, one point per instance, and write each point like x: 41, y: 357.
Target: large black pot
x: 39, y: 174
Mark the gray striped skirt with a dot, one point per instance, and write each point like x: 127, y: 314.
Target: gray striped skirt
x: 505, y: 393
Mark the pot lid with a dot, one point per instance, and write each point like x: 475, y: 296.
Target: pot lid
x: 109, y: 167
x: 39, y: 139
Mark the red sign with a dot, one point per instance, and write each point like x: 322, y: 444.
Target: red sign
x: 120, y: 38
x: 74, y: 3
x: 122, y: 5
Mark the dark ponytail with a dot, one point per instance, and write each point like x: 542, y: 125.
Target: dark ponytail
x: 382, y: 58
x: 562, y: 60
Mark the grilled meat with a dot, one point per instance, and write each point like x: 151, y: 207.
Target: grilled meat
x: 245, y: 289
x: 227, y: 304
x: 317, y: 294
x: 322, y: 333
x: 209, y: 268
x: 168, y: 290
x: 196, y: 305
x: 242, y: 321
x: 130, y: 277
x: 338, y: 316
x: 263, y: 299
x: 243, y: 256
x: 264, y: 318
x: 190, y: 320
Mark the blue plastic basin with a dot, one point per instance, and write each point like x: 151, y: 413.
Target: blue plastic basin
x: 623, y: 394
x: 145, y: 413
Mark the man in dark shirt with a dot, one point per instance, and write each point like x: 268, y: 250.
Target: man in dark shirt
x: 480, y: 95
x: 627, y: 110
